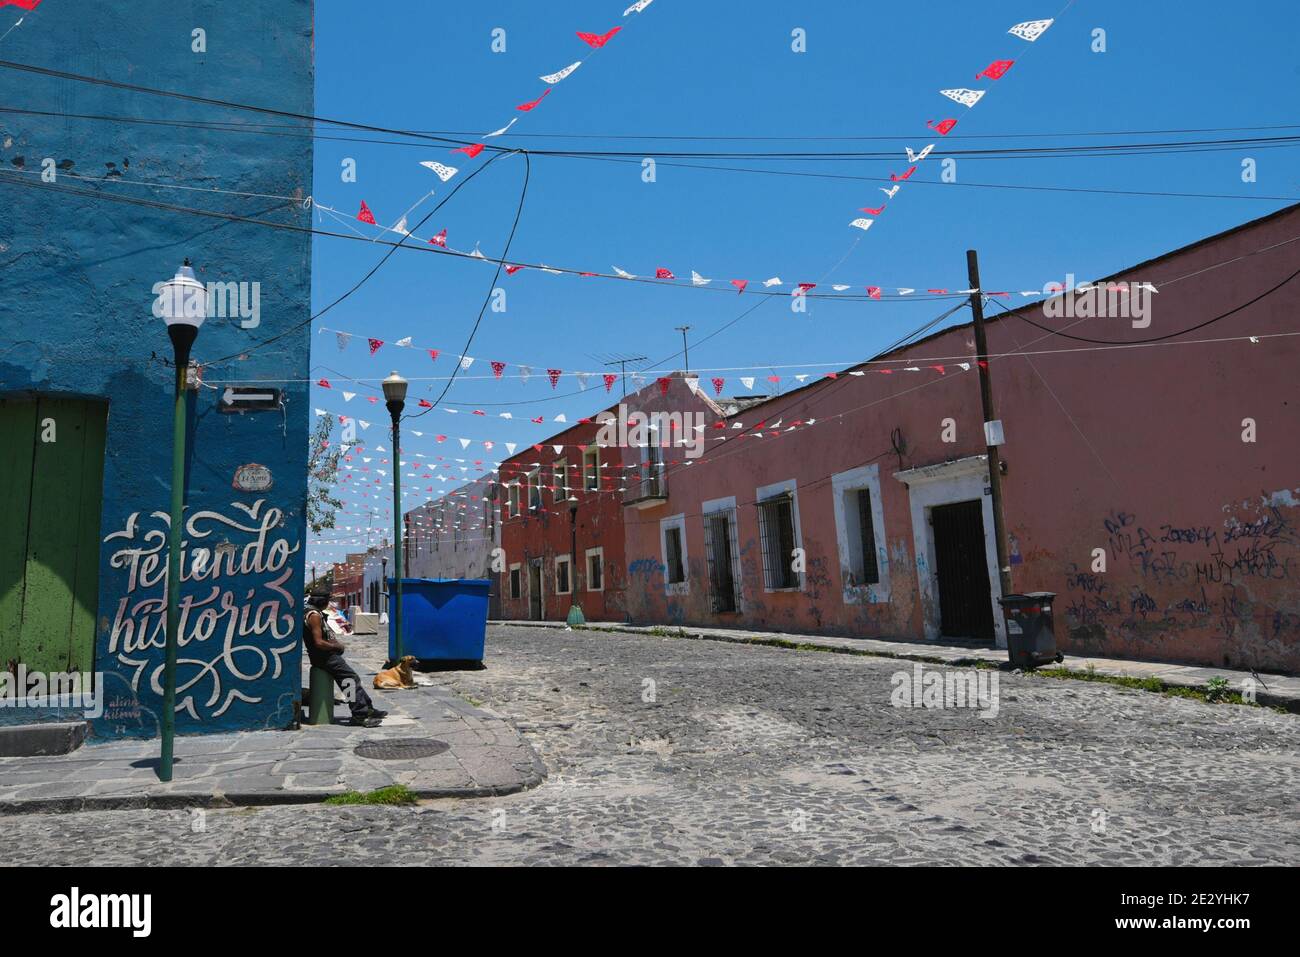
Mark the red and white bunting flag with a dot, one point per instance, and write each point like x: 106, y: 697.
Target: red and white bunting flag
x: 440, y: 239
x: 597, y: 40
x: 664, y: 382
x: 498, y: 368
x: 803, y: 288
x: 873, y: 292
x: 896, y: 178
x: 471, y: 151
x: 662, y: 273
x: 532, y: 104
x: 917, y: 157
x: 872, y: 212
x: 375, y: 344
x: 443, y: 171
x: 1030, y: 30
x: 610, y: 378
x: 433, y: 354
x: 740, y: 285
x: 943, y: 127
x: 995, y: 70
x: 559, y: 75
x: 718, y: 382
x: 324, y: 383
x: 425, y: 404
x: 511, y: 270
x: 862, y: 223
x: 366, y: 216
x: 964, y: 96
x: 554, y: 376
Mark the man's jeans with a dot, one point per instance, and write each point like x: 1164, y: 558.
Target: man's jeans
x: 349, y: 682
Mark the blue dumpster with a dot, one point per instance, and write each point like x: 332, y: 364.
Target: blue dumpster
x: 444, y: 620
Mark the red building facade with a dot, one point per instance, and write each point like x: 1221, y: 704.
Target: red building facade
x: 538, y: 492
x: 1152, y: 478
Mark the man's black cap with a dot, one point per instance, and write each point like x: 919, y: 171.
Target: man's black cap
x: 319, y: 592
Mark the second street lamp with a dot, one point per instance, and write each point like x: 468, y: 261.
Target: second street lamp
x: 575, y: 610
x: 183, y: 305
x: 395, y: 398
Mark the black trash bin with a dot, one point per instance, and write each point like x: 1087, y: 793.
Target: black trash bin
x: 1031, y: 640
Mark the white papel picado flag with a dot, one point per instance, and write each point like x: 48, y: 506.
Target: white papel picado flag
x: 1030, y: 30
x: 964, y: 96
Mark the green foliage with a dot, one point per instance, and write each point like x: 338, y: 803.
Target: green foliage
x: 322, y: 473
x: 1216, y: 689
x: 393, y: 794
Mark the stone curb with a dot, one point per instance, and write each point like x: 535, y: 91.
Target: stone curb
x: 185, y: 802
x: 1285, y: 700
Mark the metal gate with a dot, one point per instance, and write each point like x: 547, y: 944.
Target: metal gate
x: 720, y: 552
x: 961, y: 565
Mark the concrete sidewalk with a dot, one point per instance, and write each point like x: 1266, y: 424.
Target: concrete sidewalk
x: 1279, y: 691
x: 486, y: 756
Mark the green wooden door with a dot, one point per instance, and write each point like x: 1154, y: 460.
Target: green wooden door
x: 49, y: 532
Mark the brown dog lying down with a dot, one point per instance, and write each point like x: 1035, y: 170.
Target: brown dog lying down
x: 398, y: 677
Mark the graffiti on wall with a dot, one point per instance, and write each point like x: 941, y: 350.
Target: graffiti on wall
x: 238, y: 617
x: 1204, y: 576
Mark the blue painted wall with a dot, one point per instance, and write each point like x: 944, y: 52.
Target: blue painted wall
x: 76, y: 279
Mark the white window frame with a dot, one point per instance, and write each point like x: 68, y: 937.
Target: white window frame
x: 765, y: 492
x: 516, y: 567
x: 533, y: 480
x: 560, y: 469
x: 677, y: 521
x: 597, y: 552
x: 592, y: 452
x: 848, y: 532
x: 565, y: 559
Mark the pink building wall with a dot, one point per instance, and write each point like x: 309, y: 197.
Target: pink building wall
x: 1136, y: 451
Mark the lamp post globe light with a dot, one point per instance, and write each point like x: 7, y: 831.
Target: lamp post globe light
x: 183, y: 305
x: 395, y: 399
x: 575, y: 610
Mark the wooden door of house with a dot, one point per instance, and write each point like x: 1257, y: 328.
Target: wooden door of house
x: 961, y: 565
x: 535, y: 589
x: 51, y: 489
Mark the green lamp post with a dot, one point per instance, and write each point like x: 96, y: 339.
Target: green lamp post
x: 575, y: 610
x: 395, y: 398
x: 183, y: 305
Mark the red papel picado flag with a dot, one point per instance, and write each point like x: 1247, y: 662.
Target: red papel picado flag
x: 593, y: 40
x: 995, y: 70
x: 532, y: 104
x: 366, y: 216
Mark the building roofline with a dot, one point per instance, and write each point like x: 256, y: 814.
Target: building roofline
x: 1204, y: 241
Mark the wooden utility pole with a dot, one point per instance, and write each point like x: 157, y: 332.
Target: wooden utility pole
x: 986, y: 399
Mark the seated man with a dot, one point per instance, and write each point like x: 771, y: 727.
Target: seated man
x: 326, y: 652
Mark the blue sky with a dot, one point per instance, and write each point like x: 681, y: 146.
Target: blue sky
x: 727, y: 70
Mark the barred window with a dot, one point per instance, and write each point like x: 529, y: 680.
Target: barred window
x: 721, y: 553
x: 776, y: 531
x: 514, y: 582
x: 870, y: 572
x: 676, y: 571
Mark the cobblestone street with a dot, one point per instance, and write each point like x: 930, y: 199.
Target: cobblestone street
x: 671, y: 751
